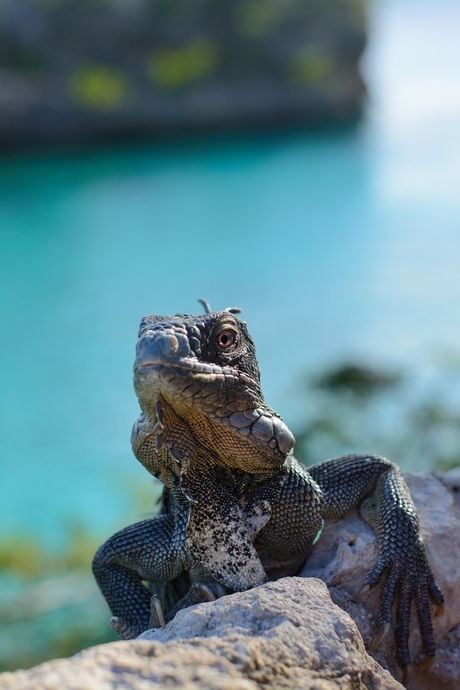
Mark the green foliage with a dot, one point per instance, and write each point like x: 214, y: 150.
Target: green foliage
x: 356, y: 380
x: 413, y: 420
x: 259, y: 18
x: 29, y: 560
x: 173, y: 68
x: 50, y: 605
x: 99, y: 87
x: 312, y: 65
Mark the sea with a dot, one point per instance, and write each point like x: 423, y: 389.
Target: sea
x: 338, y: 244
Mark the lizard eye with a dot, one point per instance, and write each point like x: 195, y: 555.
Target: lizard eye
x: 226, y: 339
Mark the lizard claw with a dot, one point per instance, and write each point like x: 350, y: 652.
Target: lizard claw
x: 157, y: 615
x: 361, y: 592
x: 379, y: 637
x: 439, y: 610
x: 423, y: 660
x: 198, y: 593
x: 406, y: 675
x: 124, y: 630
x: 210, y: 596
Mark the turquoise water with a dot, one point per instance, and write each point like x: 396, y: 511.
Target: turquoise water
x: 336, y: 245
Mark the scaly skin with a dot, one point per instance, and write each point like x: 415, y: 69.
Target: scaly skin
x: 238, y: 508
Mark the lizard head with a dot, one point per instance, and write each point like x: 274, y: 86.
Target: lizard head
x: 204, y: 370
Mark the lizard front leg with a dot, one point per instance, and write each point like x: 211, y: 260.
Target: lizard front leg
x: 377, y: 486
x: 150, y: 550
x: 402, y: 567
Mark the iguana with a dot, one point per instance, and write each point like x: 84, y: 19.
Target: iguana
x: 238, y: 509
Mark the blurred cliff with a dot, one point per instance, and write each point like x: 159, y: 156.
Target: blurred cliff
x: 73, y: 70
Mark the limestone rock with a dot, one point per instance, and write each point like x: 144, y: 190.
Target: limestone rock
x: 285, y: 634
x: 451, y: 480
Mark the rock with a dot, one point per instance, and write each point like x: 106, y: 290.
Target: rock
x: 75, y: 71
x: 285, y: 634
x: 451, y: 480
x: 444, y: 673
x: 347, y: 551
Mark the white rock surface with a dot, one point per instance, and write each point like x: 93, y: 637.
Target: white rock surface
x: 283, y: 635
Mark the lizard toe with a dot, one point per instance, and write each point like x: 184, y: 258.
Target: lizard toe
x: 124, y: 630
x: 157, y: 615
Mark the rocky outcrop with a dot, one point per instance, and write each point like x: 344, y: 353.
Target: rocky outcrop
x: 287, y: 634
x: 83, y: 70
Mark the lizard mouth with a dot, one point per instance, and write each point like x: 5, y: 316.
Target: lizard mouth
x: 186, y: 365
x: 194, y: 366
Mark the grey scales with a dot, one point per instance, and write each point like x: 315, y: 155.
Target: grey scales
x: 237, y: 508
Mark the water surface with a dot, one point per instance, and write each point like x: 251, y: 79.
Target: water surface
x: 336, y: 244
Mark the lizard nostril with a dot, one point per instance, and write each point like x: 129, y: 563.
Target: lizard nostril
x: 173, y: 344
